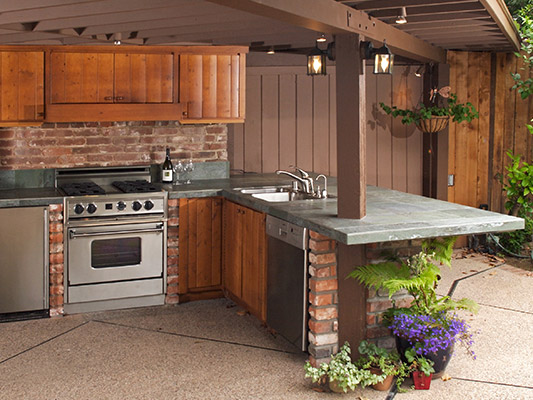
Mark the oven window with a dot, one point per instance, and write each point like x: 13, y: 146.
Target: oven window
x: 115, y: 252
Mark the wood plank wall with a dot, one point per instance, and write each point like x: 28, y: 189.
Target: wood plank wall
x: 291, y: 120
x: 478, y: 150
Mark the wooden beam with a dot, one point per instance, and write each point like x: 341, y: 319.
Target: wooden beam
x: 429, y: 10
x: 351, y: 127
x: 395, y: 4
x: 332, y: 17
x: 499, y: 12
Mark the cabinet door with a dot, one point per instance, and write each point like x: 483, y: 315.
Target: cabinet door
x: 21, y: 86
x: 144, y: 78
x: 254, y: 263
x: 232, y: 253
x: 81, y: 78
x: 212, y: 87
x: 200, y: 245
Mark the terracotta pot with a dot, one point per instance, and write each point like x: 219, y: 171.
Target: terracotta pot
x: 422, y: 382
x: 334, y: 387
x: 386, y: 384
x: 434, y: 124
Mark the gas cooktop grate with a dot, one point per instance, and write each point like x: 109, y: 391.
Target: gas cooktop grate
x: 81, y: 189
x: 138, y: 186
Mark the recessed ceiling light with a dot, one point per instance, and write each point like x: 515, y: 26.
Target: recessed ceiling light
x: 271, y: 51
x: 321, y: 38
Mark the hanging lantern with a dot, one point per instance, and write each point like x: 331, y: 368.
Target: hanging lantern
x: 316, y: 62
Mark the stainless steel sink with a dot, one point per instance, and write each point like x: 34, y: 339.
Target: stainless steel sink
x: 284, y: 196
x: 264, y: 189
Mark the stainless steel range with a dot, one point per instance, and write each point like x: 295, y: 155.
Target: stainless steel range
x: 115, y: 238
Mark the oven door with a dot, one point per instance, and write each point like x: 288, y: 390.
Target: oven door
x: 111, y: 253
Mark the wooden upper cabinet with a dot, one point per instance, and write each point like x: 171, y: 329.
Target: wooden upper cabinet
x: 21, y: 87
x: 81, y: 78
x: 212, y: 86
x: 111, y: 78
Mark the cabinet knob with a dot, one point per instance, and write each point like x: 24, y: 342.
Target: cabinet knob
x: 119, y: 98
x: 108, y: 98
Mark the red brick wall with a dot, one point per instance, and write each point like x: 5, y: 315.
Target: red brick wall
x: 57, y: 288
x: 323, y: 298
x: 172, y: 252
x: 109, y: 144
x: 378, y: 301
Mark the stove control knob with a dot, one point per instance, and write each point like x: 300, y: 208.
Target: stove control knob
x: 136, y: 205
x: 78, y: 209
x: 91, y: 208
x: 121, y: 206
x: 148, y: 204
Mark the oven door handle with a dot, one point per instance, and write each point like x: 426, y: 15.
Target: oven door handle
x: 73, y: 234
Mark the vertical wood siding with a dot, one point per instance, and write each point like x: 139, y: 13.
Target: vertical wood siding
x: 477, y: 154
x: 291, y: 120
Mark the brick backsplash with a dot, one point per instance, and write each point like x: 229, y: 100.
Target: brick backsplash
x: 109, y: 144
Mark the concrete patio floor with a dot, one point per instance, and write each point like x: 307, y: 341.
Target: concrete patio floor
x: 209, y: 350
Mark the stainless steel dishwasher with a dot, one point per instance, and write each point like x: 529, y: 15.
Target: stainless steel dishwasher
x: 287, y: 280
x: 23, y: 263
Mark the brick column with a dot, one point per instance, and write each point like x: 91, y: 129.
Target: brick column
x: 323, y: 298
x: 57, y: 287
x: 378, y: 301
x: 172, y: 252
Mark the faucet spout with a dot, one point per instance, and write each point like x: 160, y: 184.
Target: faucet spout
x: 304, y: 182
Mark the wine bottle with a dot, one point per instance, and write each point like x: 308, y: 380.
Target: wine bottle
x: 166, y: 168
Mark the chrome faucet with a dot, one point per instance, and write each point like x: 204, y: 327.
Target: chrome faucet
x: 305, y: 180
x: 322, y: 194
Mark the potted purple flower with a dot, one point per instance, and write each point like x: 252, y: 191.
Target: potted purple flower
x: 430, y: 324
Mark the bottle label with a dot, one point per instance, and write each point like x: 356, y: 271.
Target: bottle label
x: 167, y: 175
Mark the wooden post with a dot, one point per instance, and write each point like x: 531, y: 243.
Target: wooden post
x: 352, y: 297
x: 351, y: 128
x: 430, y: 140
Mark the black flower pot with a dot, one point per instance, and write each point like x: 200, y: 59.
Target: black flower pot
x: 441, y: 358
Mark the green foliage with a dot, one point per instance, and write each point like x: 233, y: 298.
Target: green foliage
x: 418, y: 275
x: 418, y: 362
x: 388, y: 361
x: 514, y: 241
x: 459, y: 112
x: 519, y: 186
x: 524, y: 24
x: 342, y: 370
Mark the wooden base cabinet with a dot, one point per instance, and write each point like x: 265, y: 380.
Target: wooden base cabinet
x: 200, y: 248
x: 244, y: 257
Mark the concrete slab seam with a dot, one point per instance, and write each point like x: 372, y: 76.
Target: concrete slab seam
x: 494, y: 383
x: 194, y: 337
x: 43, y: 342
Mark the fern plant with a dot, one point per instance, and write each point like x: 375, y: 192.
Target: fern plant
x: 418, y: 275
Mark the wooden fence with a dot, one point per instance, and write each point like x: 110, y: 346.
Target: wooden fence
x: 477, y: 150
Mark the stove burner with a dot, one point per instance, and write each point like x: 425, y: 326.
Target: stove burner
x: 82, y: 189
x: 138, y: 186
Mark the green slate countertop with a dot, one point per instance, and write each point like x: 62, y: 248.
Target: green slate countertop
x: 391, y: 215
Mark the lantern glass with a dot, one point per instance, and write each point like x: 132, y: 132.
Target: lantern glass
x: 383, y: 63
x: 316, y: 63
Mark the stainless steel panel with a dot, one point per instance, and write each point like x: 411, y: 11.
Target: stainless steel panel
x: 23, y: 259
x: 287, y: 281
x: 80, y: 242
x: 287, y: 232
x: 117, y: 290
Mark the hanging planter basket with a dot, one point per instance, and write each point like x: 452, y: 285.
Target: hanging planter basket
x: 434, y: 124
